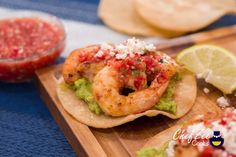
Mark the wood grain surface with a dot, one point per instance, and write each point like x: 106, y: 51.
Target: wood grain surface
x: 125, y: 140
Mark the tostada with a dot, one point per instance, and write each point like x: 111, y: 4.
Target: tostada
x: 107, y: 85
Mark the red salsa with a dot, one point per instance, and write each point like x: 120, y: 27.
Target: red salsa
x: 27, y: 44
x: 138, y: 67
x: 89, y: 55
x: 135, y: 67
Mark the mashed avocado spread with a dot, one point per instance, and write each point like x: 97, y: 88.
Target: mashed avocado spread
x: 153, y: 152
x: 166, y: 102
x: 83, y: 90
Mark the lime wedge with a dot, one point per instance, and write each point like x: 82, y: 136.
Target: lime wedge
x: 215, y: 64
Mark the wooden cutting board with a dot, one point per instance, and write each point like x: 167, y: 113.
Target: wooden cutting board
x: 125, y: 140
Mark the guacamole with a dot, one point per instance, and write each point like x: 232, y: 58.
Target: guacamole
x: 166, y: 102
x: 83, y: 90
x: 153, y: 152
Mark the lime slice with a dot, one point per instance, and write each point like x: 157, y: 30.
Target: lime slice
x: 215, y: 64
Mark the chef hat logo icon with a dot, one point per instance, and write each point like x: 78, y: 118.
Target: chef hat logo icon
x: 216, y: 140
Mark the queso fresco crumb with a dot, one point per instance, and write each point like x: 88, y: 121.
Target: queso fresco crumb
x: 222, y: 102
x: 206, y: 90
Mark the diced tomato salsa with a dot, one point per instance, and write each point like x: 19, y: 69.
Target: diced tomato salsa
x: 90, y: 55
x: 27, y: 44
x: 133, y: 66
x: 138, y: 81
x: 130, y: 66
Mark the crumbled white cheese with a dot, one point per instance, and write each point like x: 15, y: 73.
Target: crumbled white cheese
x: 128, y: 48
x: 112, y: 53
x: 206, y: 90
x: 170, y: 149
x: 106, y: 46
x: 121, y: 48
x: 165, y: 58
x: 150, y: 47
x: 121, y: 56
x: 216, y: 126
x: 198, y: 129
x: 230, y: 140
x: 103, y: 47
x: 195, y: 128
x: 131, y: 47
x: 99, y: 53
x: 222, y: 102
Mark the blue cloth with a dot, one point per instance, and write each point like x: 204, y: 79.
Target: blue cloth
x: 81, y: 10
x: 26, y: 126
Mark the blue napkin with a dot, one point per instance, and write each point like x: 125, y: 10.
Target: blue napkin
x: 26, y: 126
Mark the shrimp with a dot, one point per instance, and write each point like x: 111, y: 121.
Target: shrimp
x: 106, y: 91
x: 73, y: 69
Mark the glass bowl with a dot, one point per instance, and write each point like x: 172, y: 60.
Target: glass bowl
x: 21, y: 69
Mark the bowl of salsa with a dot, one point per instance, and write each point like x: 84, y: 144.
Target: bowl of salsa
x: 28, y: 41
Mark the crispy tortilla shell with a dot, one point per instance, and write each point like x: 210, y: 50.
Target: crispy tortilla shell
x: 121, y: 16
x: 185, y: 94
x: 183, y: 15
